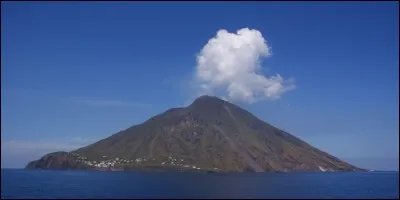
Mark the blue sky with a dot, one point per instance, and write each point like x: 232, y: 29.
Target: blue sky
x: 75, y: 72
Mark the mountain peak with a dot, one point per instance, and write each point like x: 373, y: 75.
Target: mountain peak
x: 206, y: 101
x: 208, y: 97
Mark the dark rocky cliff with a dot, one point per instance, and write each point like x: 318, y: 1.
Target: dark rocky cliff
x: 57, y: 160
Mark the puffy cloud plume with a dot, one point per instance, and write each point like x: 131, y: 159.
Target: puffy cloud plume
x: 231, y: 63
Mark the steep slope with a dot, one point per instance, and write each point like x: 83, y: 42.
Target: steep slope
x: 210, y: 134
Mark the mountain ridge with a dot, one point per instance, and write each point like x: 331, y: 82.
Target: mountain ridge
x: 208, y: 135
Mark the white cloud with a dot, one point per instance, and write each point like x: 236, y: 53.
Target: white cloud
x: 230, y: 63
x: 107, y: 103
x: 56, y: 96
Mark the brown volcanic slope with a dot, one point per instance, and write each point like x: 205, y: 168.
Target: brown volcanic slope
x: 210, y: 134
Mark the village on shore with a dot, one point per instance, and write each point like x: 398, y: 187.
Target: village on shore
x: 120, y: 162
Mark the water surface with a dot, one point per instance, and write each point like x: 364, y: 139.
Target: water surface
x: 19, y: 183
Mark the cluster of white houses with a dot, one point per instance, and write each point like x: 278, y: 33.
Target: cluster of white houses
x: 119, y: 161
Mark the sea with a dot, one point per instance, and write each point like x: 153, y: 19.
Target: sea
x: 21, y: 183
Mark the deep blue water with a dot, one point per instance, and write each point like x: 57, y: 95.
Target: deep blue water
x: 18, y: 183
